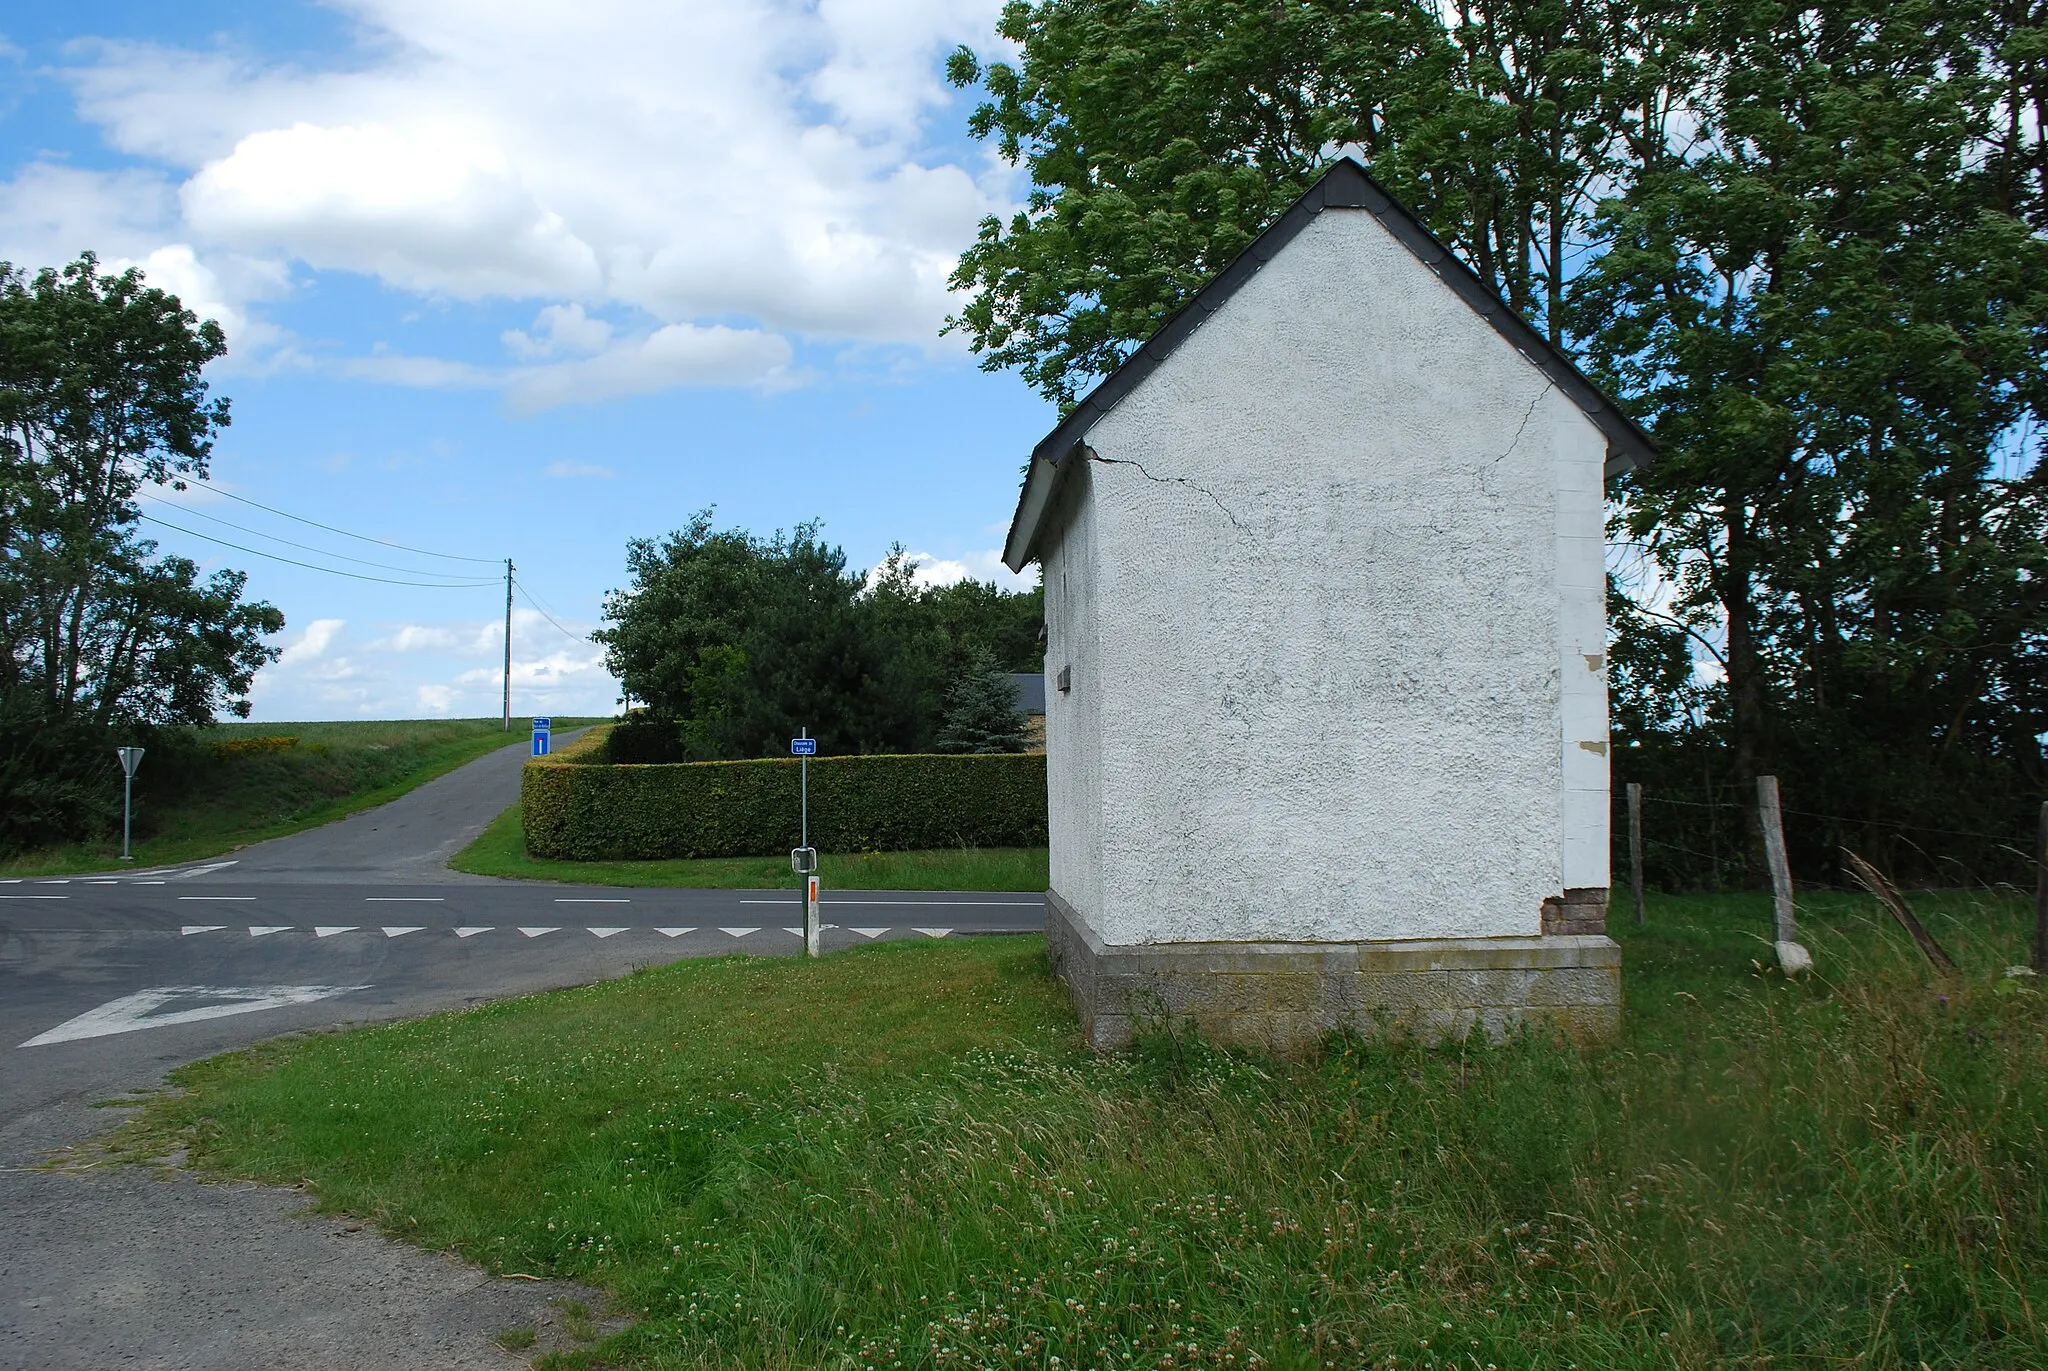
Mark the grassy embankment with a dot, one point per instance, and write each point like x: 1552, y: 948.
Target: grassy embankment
x: 191, y: 803
x: 898, y: 1157
x: 500, y: 850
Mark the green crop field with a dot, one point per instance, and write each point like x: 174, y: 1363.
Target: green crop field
x: 500, y: 850
x: 200, y: 796
x: 899, y: 1157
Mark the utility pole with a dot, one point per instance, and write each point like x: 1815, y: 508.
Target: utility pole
x: 508, y: 644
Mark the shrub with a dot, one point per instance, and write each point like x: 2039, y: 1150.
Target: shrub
x: 749, y: 809
x: 229, y: 748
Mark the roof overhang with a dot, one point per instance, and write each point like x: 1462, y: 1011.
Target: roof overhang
x: 1345, y: 185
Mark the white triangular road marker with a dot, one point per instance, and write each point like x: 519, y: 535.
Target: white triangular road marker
x: 189, y: 929
x: 401, y: 932
x: 935, y: 932
x: 739, y: 932
x: 871, y: 933
x: 606, y: 932
x: 539, y: 932
x: 139, y: 1010
x: 265, y: 930
x: 470, y: 932
x: 797, y: 931
x: 674, y: 932
x: 329, y: 930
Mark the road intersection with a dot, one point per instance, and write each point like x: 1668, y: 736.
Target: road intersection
x: 108, y: 981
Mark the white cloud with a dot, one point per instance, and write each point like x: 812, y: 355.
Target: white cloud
x: 979, y: 566
x: 436, y: 699
x: 573, y: 470
x: 313, y: 643
x: 745, y: 171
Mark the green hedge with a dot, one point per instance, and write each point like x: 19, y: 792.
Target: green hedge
x: 749, y: 809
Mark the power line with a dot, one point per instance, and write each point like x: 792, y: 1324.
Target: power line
x: 581, y: 638
x: 317, y: 551
x: 331, y: 571
x: 381, y: 542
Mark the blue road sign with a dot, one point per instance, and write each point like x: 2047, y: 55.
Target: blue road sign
x: 803, y: 747
x: 541, y: 723
x: 540, y: 742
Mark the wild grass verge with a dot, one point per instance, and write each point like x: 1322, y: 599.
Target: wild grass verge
x: 195, y: 798
x: 898, y: 1157
x: 500, y: 850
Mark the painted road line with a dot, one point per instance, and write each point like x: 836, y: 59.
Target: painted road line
x: 145, y: 1008
x: 329, y: 930
x: 539, y: 932
x: 946, y: 904
x: 216, y: 897
x: 189, y: 929
x: 674, y: 932
x: 265, y: 930
x: 65, y: 881
x: 202, y: 870
x: 145, y: 882
x: 34, y: 897
x: 10, y: 880
x: 934, y: 932
x: 470, y: 932
x: 797, y: 931
x: 404, y: 899
x: 606, y: 932
x: 401, y: 932
x: 771, y: 901
x: 870, y: 933
x: 739, y: 932
x: 579, y: 899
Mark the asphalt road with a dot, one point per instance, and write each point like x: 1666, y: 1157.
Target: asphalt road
x: 108, y: 982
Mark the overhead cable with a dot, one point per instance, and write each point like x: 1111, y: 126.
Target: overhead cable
x: 381, y: 542
x: 331, y: 571
x: 579, y: 637
x: 302, y: 547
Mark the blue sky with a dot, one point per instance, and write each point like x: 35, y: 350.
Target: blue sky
x: 528, y: 281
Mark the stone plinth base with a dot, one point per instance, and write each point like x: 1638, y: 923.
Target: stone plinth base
x: 1282, y: 997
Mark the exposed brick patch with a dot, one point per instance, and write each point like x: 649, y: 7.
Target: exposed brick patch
x: 1579, y: 912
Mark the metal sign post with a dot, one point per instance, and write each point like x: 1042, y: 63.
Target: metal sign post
x: 543, y: 732
x: 131, y: 757
x: 804, y: 860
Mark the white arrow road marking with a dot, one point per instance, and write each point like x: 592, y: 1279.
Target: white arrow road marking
x: 140, y: 1010
x: 329, y: 930
x: 935, y: 932
x: 202, y: 870
x: 401, y: 932
x: 265, y: 930
x: 674, y: 932
x: 739, y: 932
x: 470, y: 932
x: 606, y: 932
x: 539, y: 932
x: 871, y: 933
x: 189, y: 929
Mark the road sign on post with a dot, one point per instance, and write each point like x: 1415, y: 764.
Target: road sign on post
x: 131, y: 757
x: 543, y: 732
x: 805, y: 859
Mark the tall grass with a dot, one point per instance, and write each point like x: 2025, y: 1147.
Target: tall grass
x: 900, y: 1158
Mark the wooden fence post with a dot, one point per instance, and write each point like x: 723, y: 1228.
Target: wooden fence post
x: 1635, y: 845
x: 1791, y: 956
x: 2041, y: 898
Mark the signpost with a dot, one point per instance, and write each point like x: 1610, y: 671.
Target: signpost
x: 804, y: 860
x: 543, y: 730
x: 131, y: 757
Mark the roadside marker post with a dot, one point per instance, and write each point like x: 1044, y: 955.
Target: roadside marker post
x: 543, y: 733
x: 804, y: 860
x: 131, y: 757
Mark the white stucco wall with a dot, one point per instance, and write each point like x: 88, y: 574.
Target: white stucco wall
x: 1332, y: 600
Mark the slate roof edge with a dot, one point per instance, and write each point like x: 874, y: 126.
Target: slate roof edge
x: 1345, y: 185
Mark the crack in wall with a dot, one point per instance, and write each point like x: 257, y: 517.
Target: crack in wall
x: 1192, y: 484
x: 1516, y: 441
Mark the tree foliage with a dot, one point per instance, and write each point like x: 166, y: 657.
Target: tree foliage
x: 1802, y: 242
x: 101, y: 395
x: 981, y: 710
x: 734, y: 642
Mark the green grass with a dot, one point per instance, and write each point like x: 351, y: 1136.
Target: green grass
x: 190, y: 804
x: 500, y: 850
x: 898, y: 1157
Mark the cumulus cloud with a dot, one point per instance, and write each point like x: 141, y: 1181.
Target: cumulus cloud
x: 312, y: 644
x: 730, y: 174
x: 977, y: 566
x: 569, y: 471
